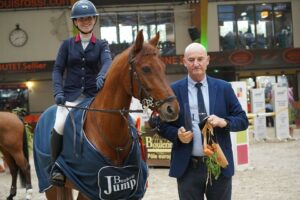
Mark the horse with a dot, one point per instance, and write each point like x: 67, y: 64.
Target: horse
x: 14, y: 147
x: 105, y: 128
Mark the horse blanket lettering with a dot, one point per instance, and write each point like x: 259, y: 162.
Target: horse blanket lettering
x: 91, y: 172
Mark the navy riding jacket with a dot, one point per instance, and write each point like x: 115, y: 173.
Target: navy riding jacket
x: 81, y: 67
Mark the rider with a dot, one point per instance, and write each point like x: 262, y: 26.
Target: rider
x: 86, y: 61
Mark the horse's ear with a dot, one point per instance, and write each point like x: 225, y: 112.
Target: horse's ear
x: 154, y: 41
x: 138, y: 45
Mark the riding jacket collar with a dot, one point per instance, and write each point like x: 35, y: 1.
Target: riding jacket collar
x: 78, y: 39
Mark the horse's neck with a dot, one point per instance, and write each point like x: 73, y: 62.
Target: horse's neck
x: 111, y: 126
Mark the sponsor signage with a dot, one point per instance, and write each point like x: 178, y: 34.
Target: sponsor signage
x: 159, y: 150
x: 20, y: 67
x: 12, y: 4
x: 258, y: 108
x: 280, y: 101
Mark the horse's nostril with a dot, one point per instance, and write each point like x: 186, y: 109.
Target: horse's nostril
x: 169, y: 109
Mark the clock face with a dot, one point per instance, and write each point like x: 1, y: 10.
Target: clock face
x: 18, y: 37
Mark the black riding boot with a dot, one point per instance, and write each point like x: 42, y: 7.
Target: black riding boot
x: 57, y: 177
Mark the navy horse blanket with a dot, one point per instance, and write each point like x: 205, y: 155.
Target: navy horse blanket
x: 83, y: 164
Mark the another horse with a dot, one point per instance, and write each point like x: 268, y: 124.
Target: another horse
x: 106, y: 130
x: 14, y: 147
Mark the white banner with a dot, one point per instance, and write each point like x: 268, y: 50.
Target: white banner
x: 280, y: 99
x: 259, y: 106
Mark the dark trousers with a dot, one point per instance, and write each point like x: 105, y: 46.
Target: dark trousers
x: 192, y: 186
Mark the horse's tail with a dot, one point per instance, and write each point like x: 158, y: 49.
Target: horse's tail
x: 26, y: 154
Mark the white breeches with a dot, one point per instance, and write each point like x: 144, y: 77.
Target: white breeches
x: 62, y: 113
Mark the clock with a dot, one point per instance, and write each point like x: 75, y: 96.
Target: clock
x: 18, y: 37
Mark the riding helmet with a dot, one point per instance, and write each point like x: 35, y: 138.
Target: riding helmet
x: 83, y: 8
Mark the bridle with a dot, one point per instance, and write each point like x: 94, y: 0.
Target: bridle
x: 145, y: 97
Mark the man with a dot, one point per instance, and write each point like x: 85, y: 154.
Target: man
x: 224, y: 113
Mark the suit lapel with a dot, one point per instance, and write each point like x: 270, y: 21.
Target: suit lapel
x: 212, y: 90
x: 185, y: 103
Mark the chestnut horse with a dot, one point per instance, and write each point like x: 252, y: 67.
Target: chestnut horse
x: 14, y: 147
x: 107, y: 127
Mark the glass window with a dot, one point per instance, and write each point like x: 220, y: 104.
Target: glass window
x: 227, y: 28
x: 147, y: 23
x: 11, y: 98
x: 245, y: 26
x: 127, y: 27
x: 108, y: 30
x: 255, y: 26
x: 283, y: 25
x: 120, y: 29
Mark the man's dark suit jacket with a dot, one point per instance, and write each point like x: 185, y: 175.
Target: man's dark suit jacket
x: 223, y: 103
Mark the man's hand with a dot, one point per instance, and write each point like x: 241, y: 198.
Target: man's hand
x: 216, y: 121
x: 184, y: 136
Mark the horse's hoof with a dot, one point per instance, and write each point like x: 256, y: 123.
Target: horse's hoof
x: 28, y: 194
x: 10, y: 197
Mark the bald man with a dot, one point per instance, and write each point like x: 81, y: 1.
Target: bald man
x: 220, y: 104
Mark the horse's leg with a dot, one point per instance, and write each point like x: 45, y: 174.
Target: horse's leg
x: 81, y: 197
x: 51, y: 193
x: 64, y: 193
x: 13, y: 168
x: 24, y: 166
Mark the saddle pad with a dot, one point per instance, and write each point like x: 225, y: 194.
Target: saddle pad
x: 80, y: 161
x: 92, y: 173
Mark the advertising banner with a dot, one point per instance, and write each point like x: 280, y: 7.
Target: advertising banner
x: 280, y: 99
x: 258, y: 109
x: 158, y: 148
x: 240, y: 140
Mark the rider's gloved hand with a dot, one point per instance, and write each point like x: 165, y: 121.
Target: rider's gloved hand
x: 100, y: 81
x: 60, y: 99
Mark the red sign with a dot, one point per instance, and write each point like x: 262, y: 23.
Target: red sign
x: 9, y: 4
x: 292, y: 55
x: 241, y: 58
x: 39, y: 66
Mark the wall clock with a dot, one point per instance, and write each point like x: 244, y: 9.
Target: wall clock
x: 18, y: 37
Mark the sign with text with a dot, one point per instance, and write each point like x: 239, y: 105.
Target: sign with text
x: 280, y: 99
x: 19, y: 67
x: 158, y: 148
x: 12, y: 4
x: 258, y: 109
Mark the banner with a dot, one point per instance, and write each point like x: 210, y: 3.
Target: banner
x: 258, y: 109
x: 280, y: 101
x: 240, y: 140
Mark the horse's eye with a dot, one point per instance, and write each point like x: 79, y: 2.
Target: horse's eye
x: 146, y: 69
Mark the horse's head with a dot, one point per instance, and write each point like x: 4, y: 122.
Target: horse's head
x: 148, y: 80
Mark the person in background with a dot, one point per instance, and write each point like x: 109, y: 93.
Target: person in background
x: 85, y: 59
x: 224, y: 113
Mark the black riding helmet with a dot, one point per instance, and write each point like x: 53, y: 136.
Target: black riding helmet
x: 83, y: 8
